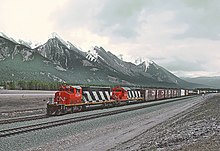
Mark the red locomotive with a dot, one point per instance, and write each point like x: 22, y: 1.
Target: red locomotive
x: 125, y: 94
x: 71, y: 99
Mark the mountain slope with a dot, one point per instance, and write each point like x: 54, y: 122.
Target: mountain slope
x: 59, y: 53
x: 57, y: 60
x: 213, y: 82
x: 9, y: 49
x: 162, y: 74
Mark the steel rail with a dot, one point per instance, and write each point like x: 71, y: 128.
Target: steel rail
x: 23, y: 119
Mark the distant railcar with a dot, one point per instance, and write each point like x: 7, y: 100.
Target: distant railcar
x: 160, y: 94
x: 150, y: 94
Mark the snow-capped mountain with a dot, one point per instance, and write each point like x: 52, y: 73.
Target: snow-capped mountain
x: 60, y: 60
x: 28, y: 44
x: 105, y: 58
x: 6, y: 37
x: 9, y: 48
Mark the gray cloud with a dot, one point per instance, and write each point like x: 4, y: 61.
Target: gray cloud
x: 150, y: 28
x: 179, y: 35
x: 182, y: 65
x: 201, y: 17
x: 117, y: 18
x: 77, y: 14
x: 121, y: 16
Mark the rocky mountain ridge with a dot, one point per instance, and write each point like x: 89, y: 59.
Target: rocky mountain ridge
x: 67, y: 63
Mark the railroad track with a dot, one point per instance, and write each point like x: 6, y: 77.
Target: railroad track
x: 34, y: 127
x: 22, y: 119
x: 25, y: 110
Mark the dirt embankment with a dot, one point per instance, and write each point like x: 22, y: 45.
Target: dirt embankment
x: 196, y: 129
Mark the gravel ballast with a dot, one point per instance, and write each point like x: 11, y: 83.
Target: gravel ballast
x: 107, y: 132
x: 195, y: 129
x: 191, y: 124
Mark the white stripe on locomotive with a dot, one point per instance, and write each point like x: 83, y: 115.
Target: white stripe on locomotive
x: 129, y: 94
x: 139, y: 94
x: 88, y: 96
x: 107, y: 94
x: 102, y: 95
x: 133, y: 95
x: 136, y: 94
x: 95, y: 95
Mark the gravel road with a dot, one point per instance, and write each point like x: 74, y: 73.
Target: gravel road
x: 122, y: 131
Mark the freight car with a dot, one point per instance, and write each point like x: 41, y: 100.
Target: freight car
x: 71, y: 99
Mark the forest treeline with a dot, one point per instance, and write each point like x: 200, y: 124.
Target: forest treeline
x: 30, y: 85
x: 39, y: 85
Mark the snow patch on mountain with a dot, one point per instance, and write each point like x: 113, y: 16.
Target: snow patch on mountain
x: 148, y: 63
x: 22, y: 42
x: 1, y: 57
x: 6, y: 37
x: 26, y: 55
x: 94, y: 69
x: 55, y: 78
x: 35, y: 44
x: 60, y: 68
x: 73, y: 47
x: 92, y: 55
x: 28, y: 44
x: 55, y: 35
x: 143, y: 62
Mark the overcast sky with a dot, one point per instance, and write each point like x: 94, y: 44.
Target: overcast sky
x: 183, y: 36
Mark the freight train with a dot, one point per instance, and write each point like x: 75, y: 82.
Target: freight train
x: 70, y: 99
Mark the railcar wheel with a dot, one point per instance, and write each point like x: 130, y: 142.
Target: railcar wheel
x: 107, y: 105
x: 83, y: 108
x: 74, y: 109
x: 111, y: 104
x: 58, y: 112
x: 49, y: 112
x: 104, y: 105
x: 79, y: 108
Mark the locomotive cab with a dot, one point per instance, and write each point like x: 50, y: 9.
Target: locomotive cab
x: 68, y: 95
x: 119, y: 93
x: 65, y: 100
